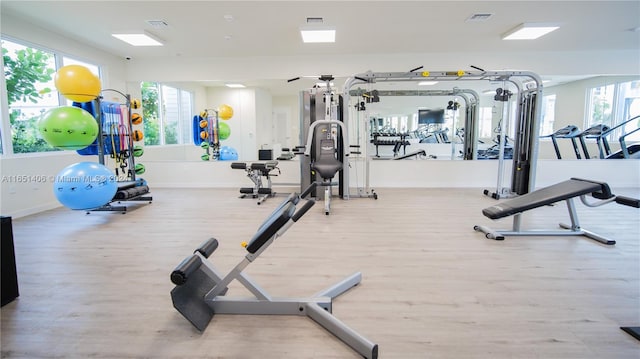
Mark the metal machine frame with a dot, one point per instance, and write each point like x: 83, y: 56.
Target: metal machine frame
x: 529, y: 87
x: 471, y: 100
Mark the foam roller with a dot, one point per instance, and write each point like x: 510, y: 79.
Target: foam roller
x: 181, y: 274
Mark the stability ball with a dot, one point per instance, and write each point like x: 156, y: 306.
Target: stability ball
x: 68, y: 128
x: 224, y: 131
x: 225, y: 112
x: 85, y: 185
x: 77, y: 83
x: 228, y: 154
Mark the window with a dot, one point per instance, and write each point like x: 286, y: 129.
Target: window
x: 600, y: 105
x: 485, y: 119
x: 615, y: 105
x: 548, y: 114
x: 629, y: 107
x: 31, y: 91
x: 167, y: 113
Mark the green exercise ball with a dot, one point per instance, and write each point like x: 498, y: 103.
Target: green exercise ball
x: 224, y: 131
x: 204, y: 145
x: 68, y: 128
x: 205, y: 157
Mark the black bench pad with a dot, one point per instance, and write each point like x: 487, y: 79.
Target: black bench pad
x: 543, y: 197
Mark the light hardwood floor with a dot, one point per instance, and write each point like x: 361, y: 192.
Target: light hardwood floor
x: 97, y: 286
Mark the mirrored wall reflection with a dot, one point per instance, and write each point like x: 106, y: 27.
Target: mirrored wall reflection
x: 406, y: 122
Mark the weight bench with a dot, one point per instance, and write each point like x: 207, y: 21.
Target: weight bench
x: 255, y: 172
x: 201, y: 289
x: 563, y: 191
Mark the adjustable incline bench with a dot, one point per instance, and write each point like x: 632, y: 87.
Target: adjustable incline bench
x: 200, y: 288
x: 563, y: 191
x: 255, y: 172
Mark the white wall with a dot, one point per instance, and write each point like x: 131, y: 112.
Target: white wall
x: 265, y: 67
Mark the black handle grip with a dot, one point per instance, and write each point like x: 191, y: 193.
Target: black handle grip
x: 308, y: 190
x: 305, y: 207
x: 238, y: 165
x: 628, y: 201
x: 181, y: 274
x: 207, y: 247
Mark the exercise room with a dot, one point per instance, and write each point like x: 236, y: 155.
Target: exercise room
x: 320, y: 179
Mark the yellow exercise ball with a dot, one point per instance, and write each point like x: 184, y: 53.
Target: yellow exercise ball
x: 135, y: 103
x: 204, y: 123
x: 77, y: 83
x: 225, y: 112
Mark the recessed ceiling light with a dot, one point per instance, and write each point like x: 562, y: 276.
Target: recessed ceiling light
x: 318, y: 35
x: 427, y: 83
x: 228, y: 18
x: 139, y: 38
x: 529, y: 31
x: 235, y: 86
x: 323, y: 84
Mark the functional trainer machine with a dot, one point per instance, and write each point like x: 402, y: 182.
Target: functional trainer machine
x: 528, y: 102
x: 255, y: 172
x: 201, y: 289
x: 563, y: 191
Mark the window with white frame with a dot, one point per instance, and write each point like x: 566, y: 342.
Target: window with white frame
x: 616, y: 105
x: 548, y: 114
x: 28, y: 73
x: 167, y: 114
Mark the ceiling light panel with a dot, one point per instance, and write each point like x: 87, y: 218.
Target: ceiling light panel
x: 529, y: 31
x: 139, y: 38
x: 316, y: 36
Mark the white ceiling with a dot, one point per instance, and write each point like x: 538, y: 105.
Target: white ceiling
x: 198, y: 29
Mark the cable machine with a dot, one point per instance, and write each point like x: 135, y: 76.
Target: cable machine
x: 528, y: 116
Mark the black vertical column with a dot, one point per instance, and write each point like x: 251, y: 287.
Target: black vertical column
x: 9, y: 275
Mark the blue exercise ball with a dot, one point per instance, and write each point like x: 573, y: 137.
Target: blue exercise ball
x: 85, y: 185
x: 228, y: 154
